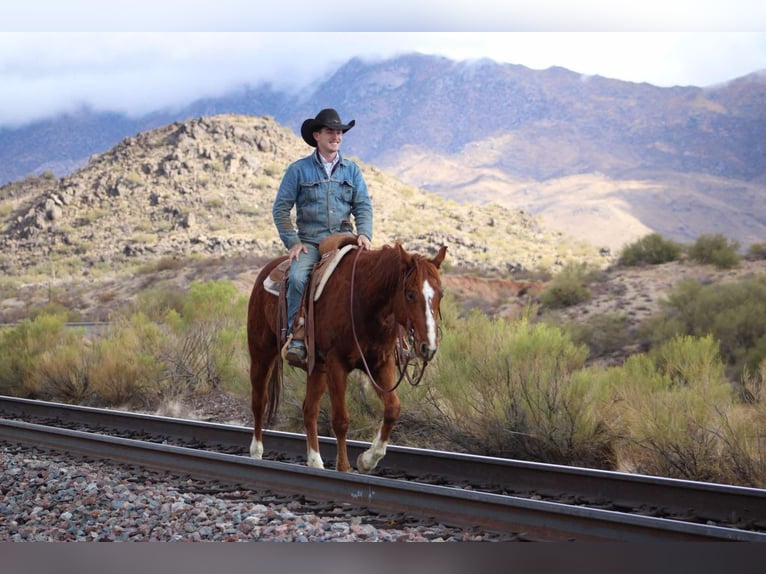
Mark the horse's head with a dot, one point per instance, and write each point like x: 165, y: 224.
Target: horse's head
x: 422, y: 297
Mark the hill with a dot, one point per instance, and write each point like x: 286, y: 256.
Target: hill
x: 598, y: 159
x: 190, y: 193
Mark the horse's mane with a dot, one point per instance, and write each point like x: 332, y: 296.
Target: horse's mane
x: 385, y: 266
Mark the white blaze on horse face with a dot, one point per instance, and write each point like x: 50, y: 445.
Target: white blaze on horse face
x: 428, y: 294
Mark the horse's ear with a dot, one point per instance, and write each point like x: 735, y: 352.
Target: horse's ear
x: 403, y: 255
x: 439, y: 256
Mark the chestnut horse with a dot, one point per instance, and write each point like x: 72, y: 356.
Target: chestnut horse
x: 365, y: 301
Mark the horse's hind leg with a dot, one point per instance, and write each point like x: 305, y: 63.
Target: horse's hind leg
x: 315, y: 387
x: 260, y: 370
x: 369, y: 459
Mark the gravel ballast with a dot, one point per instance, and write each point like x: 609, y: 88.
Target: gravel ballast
x: 51, y: 496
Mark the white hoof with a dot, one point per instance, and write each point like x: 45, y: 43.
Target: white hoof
x: 369, y: 459
x: 314, y: 459
x: 256, y: 449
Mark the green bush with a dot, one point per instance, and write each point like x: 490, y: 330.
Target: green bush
x: 734, y: 313
x: 603, y: 334
x: 670, y: 406
x: 125, y: 366
x: 651, y: 249
x: 508, y: 389
x: 207, y: 335
x: 155, y: 303
x: 715, y: 250
x: 21, y: 347
x: 757, y: 251
x: 568, y: 287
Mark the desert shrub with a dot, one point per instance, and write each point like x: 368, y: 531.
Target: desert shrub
x: 22, y: 345
x: 207, y: 336
x: 733, y: 313
x: 61, y: 374
x: 568, y: 287
x: 757, y: 251
x: 53, y: 308
x: 124, y: 366
x: 716, y: 250
x: 508, y: 389
x: 603, y: 334
x: 155, y: 303
x: 743, y: 458
x: 669, y: 405
x: 120, y: 368
x: 651, y: 249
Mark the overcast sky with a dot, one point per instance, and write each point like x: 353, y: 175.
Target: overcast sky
x: 135, y: 56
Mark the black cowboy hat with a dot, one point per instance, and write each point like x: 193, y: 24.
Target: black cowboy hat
x: 327, y: 118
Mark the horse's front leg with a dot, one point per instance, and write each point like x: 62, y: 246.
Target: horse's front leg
x: 369, y: 459
x: 315, y: 388
x: 337, y: 378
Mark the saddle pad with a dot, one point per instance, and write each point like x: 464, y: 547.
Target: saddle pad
x: 273, y: 282
x: 328, y: 267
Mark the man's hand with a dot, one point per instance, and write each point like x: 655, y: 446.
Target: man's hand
x: 295, y: 251
x: 363, y: 242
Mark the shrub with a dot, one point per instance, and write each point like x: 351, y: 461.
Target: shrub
x: 734, y: 313
x: 603, y: 334
x: 508, y: 389
x: 757, y: 251
x: 61, y: 374
x: 125, y: 367
x: 669, y: 406
x: 715, y: 250
x: 155, y: 303
x: 21, y: 347
x: 207, y: 335
x: 651, y: 249
x: 568, y: 287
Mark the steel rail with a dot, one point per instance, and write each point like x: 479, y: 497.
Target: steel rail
x: 530, y: 518
x: 706, y: 501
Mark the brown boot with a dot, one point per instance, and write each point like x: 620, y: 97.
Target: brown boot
x: 295, y: 354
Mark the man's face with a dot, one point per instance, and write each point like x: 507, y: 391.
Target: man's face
x: 328, y: 141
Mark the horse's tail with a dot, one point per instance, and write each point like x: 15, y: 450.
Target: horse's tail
x: 276, y: 382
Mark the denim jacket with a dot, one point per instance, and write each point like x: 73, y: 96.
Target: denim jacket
x: 323, y: 205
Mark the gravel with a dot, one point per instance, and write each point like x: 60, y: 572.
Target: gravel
x: 52, y: 496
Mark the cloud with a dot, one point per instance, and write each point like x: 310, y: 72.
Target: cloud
x: 133, y: 73
x: 393, y: 15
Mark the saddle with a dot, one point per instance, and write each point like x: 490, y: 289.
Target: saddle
x: 332, y: 249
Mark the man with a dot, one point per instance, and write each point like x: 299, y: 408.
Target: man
x: 326, y: 190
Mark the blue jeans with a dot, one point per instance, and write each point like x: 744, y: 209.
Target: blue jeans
x: 300, y: 269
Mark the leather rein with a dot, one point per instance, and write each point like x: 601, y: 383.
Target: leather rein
x: 403, y: 347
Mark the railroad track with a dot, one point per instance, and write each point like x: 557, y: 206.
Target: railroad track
x: 537, y: 501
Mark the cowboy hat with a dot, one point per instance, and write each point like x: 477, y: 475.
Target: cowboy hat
x: 327, y: 118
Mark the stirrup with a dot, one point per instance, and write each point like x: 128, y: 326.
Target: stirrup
x: 296, y: 355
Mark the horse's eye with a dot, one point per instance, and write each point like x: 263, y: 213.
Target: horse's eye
x: 410, y: 296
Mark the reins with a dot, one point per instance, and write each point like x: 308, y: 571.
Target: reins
x: 403, y: 354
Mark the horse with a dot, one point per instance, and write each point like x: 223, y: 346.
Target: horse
x: 371, y: 297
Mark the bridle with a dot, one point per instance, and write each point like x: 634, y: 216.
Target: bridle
x: 405, y: 341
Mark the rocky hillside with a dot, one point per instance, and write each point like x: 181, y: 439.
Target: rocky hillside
x: 204, y: 187
x: 599, y: 159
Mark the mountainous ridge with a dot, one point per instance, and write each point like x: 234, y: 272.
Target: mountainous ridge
x: 205, y: 187
x: 598, y: 159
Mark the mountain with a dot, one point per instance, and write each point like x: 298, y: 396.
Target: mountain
x: 203, y: 188
x: 597, y: 159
